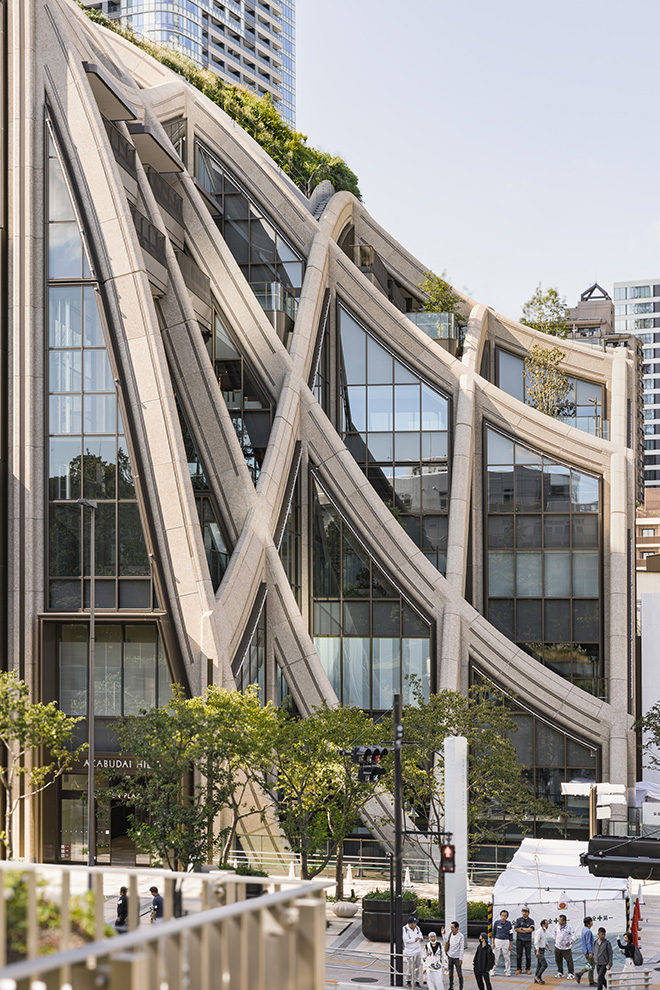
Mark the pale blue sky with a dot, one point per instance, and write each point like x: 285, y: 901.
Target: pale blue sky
x: 506, y: 141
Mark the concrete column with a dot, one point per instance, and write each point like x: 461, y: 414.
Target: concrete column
x: 456, y: 822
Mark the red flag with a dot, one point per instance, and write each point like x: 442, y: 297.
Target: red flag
x: 636, y: 918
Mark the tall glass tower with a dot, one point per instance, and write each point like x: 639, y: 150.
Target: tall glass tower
x: 249, y: 42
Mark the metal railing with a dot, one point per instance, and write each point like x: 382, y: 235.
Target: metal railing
x: 122, y: 148
x: 443, y: 326
x: 229, y: 941
x: 196, y: 280
x: 165, y: 196
x: 150, y: 238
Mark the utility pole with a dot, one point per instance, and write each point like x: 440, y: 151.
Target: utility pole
x: 398, y: 842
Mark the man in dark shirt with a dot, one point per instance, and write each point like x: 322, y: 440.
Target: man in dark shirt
x: 524, y: 927
x: 156, y: 905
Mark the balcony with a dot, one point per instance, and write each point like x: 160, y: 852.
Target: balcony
x: 280, y: 306
x: 442, y: 327
x: 122, y: 148
x: 151, y: 240
x: 165, y: 195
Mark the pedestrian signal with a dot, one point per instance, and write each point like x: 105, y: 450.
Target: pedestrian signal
x: 369, y: 760
x: 447, y: 858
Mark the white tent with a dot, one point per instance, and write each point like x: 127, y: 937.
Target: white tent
x: 546, y: 876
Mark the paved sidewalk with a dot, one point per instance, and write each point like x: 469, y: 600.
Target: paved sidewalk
x: 352, y: 960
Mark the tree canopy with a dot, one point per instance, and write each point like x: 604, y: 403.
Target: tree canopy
x: 441, y: 298
x: 547, y: 388
x: 38, y: 746
x: 546, y: 311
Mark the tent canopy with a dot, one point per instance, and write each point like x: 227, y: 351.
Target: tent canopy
x: 544, y: 869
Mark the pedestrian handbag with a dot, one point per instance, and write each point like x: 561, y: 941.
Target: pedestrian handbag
x: 638, y: 958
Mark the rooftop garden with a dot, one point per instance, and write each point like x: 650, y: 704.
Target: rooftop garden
x: 258, y: 115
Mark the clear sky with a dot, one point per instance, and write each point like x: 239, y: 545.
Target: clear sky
x: 508, y: 142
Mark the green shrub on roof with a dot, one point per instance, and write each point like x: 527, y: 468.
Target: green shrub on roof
x: 257, y: 115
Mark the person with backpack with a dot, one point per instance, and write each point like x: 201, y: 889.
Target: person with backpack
x: 632, y: 953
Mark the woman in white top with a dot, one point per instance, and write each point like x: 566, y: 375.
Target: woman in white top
x: 433, y: 961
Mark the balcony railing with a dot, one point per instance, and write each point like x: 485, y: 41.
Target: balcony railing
x: 150, y: 238
x: 275, y: 297
x: 165, y: 196
x: 122, y: 148
x: 442, y: 326
x: 229, y: 942
x: 194, y: 277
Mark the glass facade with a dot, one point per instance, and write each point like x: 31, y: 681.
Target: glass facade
x: 369, y: 639
x: 215, y: 544
x: 253, y: 666
x: 130, y: 668
x: 249, y: 407
x: 87, y: 450
x: 263, y: 254
x: 586, y: 396
x: 396, y: 426
x: 543, y: 575
x: 290, y: 543
x: 551, y: 756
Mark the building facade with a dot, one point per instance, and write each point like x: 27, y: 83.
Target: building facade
x: 637, y: 310
x: 247, y: 42
x: 296, y: 485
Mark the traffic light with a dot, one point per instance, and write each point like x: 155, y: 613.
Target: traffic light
x: 612, y: 856
x: 447, y: 858
x: 369, y: 759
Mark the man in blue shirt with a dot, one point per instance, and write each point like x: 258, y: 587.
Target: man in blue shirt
x: 588, y: 949
x: 502, y: 942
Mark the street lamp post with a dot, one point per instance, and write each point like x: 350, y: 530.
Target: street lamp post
x: 91, y: 809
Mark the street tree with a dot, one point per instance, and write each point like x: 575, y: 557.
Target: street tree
x: 38, y: 743
x: 314, y: 784
x: 499, y: 795
x: 649, y: 728
x: 547, y: 388
x: 546, y: 311
x: 202, y: 754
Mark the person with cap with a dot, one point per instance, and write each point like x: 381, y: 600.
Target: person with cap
x: 412, y: 950
x: 483, y: 962
x: 432, y: 962
x: 524, y: 929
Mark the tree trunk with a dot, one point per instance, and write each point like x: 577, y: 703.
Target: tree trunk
x: 303, y: 865
x: 441, y: 898
x: 9, y: 847
x: 339, y: 873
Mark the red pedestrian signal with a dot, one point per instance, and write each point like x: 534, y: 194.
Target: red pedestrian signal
x: 447, y: 858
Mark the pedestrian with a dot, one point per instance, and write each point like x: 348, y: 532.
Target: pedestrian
x: 455, y: 949
x: 588, y: 949
x: 563, y: 936
x: 432, y: 962
x: 602, y: 958
x: 156, y: 905
x: 540, y: 945
x: 524, y: 928
x: 483, y: 962
x: 412, y: 949
x: 502, y: 942
x: 628, y: 949
x: 121, y: 921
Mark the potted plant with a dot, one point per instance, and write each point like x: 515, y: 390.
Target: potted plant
x: 251, y: 889
x: 376, y: 913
